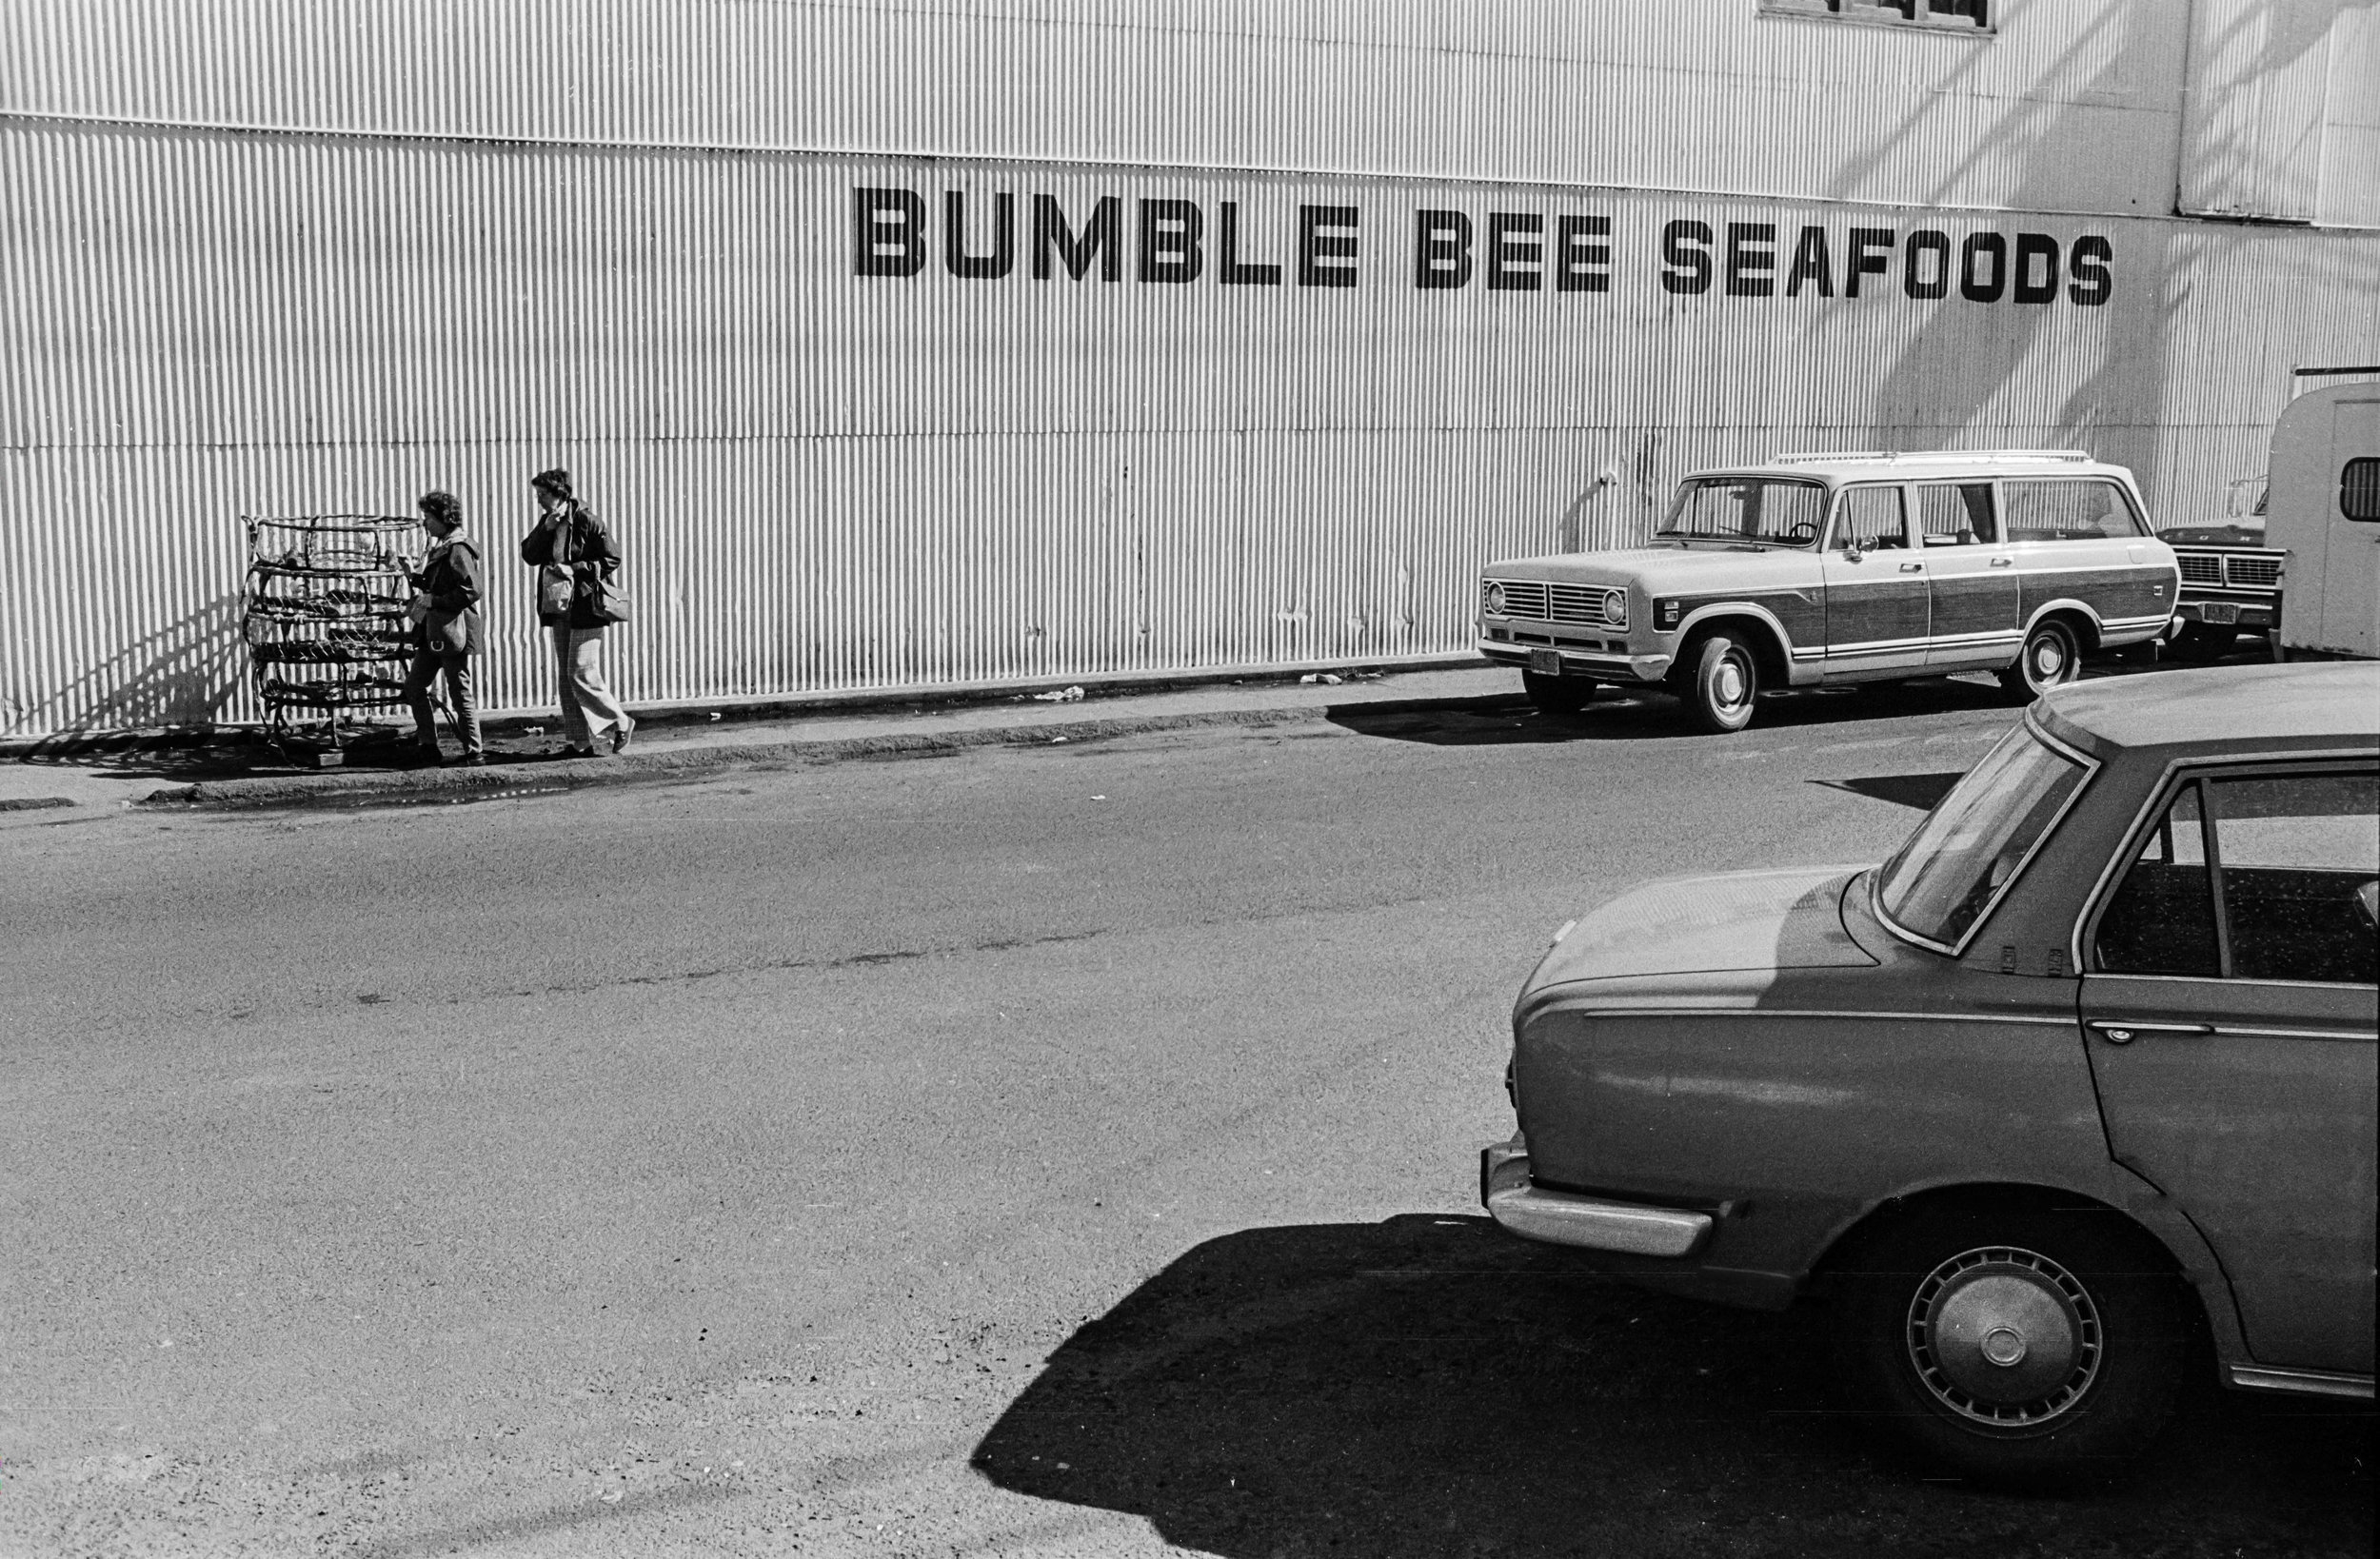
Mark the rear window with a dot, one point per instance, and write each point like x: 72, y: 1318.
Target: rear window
x: 2069, y: 511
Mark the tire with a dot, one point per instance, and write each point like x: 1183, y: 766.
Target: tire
x: 1556, y: 695
x: 2197, y: 641
x: 2051, y: 658
x: 1720, y: 682
x: 2038, y: 1349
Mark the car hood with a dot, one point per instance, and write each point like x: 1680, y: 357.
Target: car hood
x: 1743, y: 920
x: 1657, y: 570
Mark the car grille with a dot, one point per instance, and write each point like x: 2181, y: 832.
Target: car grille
x: 2254, y: 571
x: 1576, y: 603
x: 2200, y: 567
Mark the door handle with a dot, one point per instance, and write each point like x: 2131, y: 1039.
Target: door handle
x: 2122, y: 1030
x: 1913, y: 568
x: 2003, y: 562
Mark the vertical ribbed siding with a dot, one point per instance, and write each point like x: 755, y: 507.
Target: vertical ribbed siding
x: 826, y: 481
x: 2069, y: 107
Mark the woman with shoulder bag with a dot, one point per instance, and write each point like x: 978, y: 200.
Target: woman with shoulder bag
x: 576, y: 564
x: 446, y: 631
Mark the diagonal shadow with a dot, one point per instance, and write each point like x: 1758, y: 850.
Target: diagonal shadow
x: 1428, y: 1386
x: 1508, y: 720
x: 1919, y: 790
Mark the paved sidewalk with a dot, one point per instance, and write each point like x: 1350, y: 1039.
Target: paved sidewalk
x: 225, y: 774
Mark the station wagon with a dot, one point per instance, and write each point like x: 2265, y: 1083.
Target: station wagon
x: 1816, y: 570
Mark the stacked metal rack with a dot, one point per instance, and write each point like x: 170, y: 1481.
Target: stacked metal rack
x: 324, y: 616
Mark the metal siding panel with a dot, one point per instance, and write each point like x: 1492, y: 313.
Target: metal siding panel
x: 826, y: 482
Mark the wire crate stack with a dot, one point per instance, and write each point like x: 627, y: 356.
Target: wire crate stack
x: 324, y: 613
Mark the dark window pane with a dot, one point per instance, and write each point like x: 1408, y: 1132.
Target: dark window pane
x: 2295, y: 852
x: 2161, y: 920
x: 2359, y: 488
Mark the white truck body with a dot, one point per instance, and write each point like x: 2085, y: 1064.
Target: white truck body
x: 2324, y: 518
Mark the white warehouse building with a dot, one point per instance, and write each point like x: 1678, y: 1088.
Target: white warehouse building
x: 954, y: 343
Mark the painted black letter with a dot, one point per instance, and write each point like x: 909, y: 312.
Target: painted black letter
x: 1578, y: 266
x: 2030, y: 247
x: 1810, y: 265
x: 1973, y: 285
x: 1228, y: 269
x: 2092, y: 284
x: 1506, y: 255
x: 980, y: 268
x: 1075, y: 249
x: 1751, y: 248
x: 1869, y: 247
x: 881, y: 217
x: 1923, y: 242
x: 1686, y: 242
x: 1442, y: 249
x: 1313, y: 249
x: 1169, y: 241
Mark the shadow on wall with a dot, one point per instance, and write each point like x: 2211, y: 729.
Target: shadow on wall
x: 1428, y: 1386
x: 187, y: 673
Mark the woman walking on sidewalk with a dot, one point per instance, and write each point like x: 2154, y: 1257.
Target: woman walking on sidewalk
x: 575, y: 560
x: 446, y: 626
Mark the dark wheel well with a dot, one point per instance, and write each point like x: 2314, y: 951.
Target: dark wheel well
x: 2078, y: 624
x: 1900, y: 1212
x: 1768, y: 655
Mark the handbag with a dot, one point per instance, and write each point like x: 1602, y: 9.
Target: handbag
x: 556, y: 586
x: 606, y: 600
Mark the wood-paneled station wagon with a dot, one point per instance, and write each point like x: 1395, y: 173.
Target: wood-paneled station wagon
x: 2085, y: 1072
x: 1819, y: 570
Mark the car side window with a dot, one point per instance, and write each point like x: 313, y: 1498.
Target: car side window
x: 2299, y: 860
x: 1956, y: 514
x: 2069, y: 511
x: 2161, y: 920
x: 1871, y: 520
x: 2262, y: 877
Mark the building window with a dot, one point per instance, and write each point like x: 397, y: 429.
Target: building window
x: 1950, y: 16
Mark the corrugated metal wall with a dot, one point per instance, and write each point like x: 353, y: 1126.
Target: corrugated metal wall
x: 827, y: 480
x: 2070, y: 106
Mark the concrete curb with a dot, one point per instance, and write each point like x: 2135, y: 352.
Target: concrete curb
x: 463, y: 784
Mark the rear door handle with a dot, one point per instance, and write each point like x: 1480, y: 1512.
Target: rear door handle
x: 1913, y: 568
x: 2123, y: 1030
x: 2003, y: 562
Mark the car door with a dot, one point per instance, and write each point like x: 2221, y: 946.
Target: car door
x: 2228, y: 1006
x: 1876, y: 603
x: 1971, y: 576
x: 2079, y: 539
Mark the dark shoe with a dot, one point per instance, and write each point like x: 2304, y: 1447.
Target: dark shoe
x: 573, y: 751
x: 621, y: 734
x: 473, y: 761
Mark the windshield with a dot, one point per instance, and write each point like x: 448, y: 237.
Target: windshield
x: 1975, y: 841
x: 1756, y: 510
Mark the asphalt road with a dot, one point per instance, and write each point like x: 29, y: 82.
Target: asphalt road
x: 1053, y: 1152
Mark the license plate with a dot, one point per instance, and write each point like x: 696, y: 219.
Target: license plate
x: 2221, y: 611
x: 1546, y: 663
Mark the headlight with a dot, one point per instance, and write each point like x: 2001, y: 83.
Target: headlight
x: 1495, y: 598
x: 1615, y: 608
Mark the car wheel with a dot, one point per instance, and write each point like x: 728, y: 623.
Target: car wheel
x: 2032, y: 1349
x: 1556, y: 695
x: 2197, y: 641
x: 1721, y: 683
x: 2051, y: 657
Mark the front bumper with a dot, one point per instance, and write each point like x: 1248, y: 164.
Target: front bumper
x: 1565, y: 661
x: 1588, y: 1223
x: 2222, y: 611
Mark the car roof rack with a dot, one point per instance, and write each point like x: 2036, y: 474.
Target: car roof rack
x: 1816, y: 457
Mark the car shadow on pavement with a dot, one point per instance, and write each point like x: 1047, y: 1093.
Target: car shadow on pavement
x: 1507, y: 719
x: 1919, y: 790
x: 1427, y: 1386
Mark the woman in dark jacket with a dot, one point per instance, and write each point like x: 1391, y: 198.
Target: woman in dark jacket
x: 571, y: 541
x: 446, y: 627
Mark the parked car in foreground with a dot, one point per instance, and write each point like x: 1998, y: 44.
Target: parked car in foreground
x: 1820, y: 569
x: 2089, y: 1062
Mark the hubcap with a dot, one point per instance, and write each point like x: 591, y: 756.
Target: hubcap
x: 1730, y: 683
x: 2049, y: 660
x: 2004, y: 1335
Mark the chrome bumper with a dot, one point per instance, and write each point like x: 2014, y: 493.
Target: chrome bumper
x: 1559, y: 1217
x: 1605, y: 665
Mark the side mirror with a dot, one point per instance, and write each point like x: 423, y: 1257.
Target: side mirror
x: 2367, y: 904
x: 1852, y: 552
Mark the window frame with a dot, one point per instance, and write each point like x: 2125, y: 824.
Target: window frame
x: 1921, y: 19
x: 1913, y: 510
x: 2346, y: 474
x: 2138, y: 515
x: 2184, y: 771
x: 1838, y: 516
